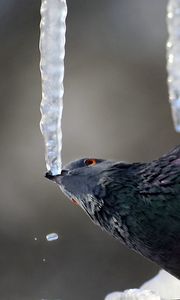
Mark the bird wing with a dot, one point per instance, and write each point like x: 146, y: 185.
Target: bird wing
x: 162, y: 176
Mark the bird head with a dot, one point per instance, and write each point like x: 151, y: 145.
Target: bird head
x: 82, y: 182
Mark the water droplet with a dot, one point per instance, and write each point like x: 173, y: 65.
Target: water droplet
x: 52, y: 237
x: 44, y: 260
x: 35, y: 238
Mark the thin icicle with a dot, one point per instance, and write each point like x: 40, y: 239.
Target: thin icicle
x: 173, y: 59
x: 52, y: 49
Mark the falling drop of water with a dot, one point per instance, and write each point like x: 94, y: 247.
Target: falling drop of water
x: 52, y: 237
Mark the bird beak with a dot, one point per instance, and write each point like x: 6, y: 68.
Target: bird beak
x: 49, y: 175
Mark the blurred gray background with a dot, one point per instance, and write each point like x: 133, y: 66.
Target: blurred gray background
x: 115, y: 106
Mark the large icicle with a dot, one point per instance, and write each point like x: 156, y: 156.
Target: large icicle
x: 173, y: 59
x: 52, y: 49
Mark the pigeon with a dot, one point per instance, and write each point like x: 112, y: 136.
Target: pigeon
x: 137, y: 203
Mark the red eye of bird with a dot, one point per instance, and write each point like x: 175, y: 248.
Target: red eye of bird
x: 90, y: 162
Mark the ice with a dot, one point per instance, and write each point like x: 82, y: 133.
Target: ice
x: 173, y: 59
x: 133, y: 294
x: 52, y: 237
x: 52, y: 50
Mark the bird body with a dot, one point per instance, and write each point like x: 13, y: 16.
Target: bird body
x: 137, y: 203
